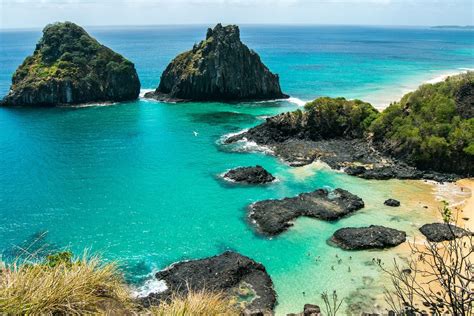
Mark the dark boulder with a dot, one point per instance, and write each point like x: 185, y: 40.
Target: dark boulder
x: 220, y: 68
x: 226, y: 272
x: 392, y: 202
x: 250, y: 175
x: 70, y: 67
x: 311, y: 310
x: 438, y: 232
x: 372, y: 237
x: 274, y: 216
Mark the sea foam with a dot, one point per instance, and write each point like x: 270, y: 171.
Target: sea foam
x: 297, y: 101
x: 150, y: 286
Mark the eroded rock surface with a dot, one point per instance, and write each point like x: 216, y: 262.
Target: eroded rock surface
x: 226, y: 272
x: 275, y: 216
x: 220, y: 68
x: 372, y: 237
x: 438, y: 232
x: 250, y: 175
x: 70, y: 67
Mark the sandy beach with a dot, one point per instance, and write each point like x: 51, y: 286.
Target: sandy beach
x: 381, y: 99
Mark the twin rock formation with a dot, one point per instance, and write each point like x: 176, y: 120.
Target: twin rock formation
x: 70, y: 67
x: 220, y: 68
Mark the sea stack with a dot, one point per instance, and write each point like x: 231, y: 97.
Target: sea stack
x: 220, y: 68
x: 70, y: 67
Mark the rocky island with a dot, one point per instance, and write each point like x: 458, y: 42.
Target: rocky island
x: 70, y: 67
x: 220, y: 68
x: 230, y: 272
x: 428, y: 134
x: 274, y: 216
x: 372, y: 237
x: 249, y: 175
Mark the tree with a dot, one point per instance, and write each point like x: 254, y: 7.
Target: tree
x: 440, y: 275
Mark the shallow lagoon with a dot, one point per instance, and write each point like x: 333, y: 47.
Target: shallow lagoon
x: 133, y: 182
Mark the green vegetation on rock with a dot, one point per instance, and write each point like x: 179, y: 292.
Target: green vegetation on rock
x: 220, y: 68
x: 336, y: 117
x: 68, y: 66
x: 432, y: 127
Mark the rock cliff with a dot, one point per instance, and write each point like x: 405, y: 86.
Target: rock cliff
x: 232, y: 273
x: 69, y: 67
x: 428, y: 134
x: 220, y: 68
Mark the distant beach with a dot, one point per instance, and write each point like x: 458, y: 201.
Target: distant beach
x: 383, y: 98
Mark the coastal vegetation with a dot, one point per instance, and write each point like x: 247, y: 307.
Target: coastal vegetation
x: 338, y: 117
x: 427, y: 134
x: 68, y: 66
x: 432, y: 127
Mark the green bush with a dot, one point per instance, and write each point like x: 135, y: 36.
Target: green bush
x: 338, y: 117
x: 426, y: 129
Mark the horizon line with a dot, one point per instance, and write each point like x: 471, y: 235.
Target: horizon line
x: 441, y: 26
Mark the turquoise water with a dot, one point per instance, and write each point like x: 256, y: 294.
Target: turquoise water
x: 132, y: 182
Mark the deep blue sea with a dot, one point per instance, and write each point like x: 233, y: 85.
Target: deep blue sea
x: 132, y: 182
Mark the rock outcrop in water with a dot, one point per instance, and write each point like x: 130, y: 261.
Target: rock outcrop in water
x: 392, y: 203
x: 429, y: 134
x: 372, y: 237
x: 229, y: 272
x: 250, y: 175
x: 220, y: 68
x: 274, y: 216
x: 438, y: 232
x: 70, y: 67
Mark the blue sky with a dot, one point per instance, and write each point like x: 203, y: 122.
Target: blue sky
x: 37, y: 13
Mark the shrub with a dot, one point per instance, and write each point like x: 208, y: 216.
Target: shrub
x: 338, y: 117
x: 426, y: 129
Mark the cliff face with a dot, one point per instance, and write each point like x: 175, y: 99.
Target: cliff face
x: 431, y: 129
x: 69, y: 67
x: 324, y: 118
x: 219, y: 68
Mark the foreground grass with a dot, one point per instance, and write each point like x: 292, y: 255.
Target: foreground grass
x: 197, y: 303
x: 63, y: 285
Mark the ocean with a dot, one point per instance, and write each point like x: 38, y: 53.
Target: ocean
x: 140, y: 182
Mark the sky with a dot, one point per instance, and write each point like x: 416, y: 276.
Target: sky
x: 37, y: 13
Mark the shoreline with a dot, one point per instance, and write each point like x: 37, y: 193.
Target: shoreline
x: 381, y: 99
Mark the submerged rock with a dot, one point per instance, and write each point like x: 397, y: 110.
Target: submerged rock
x: 274, y: 216
x: 392, y: 202
x: 374, y: 236
x: 438, y: 232
x: 69, y: 67
x: 226, y: 272
x: 250, y: 175
x: 220, y: 68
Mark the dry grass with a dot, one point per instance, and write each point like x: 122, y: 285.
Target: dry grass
x: 197, y: 303
x: 63, y: 285
x: 79, y: 286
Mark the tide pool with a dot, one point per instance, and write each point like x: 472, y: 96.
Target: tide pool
x: 132, y: 182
